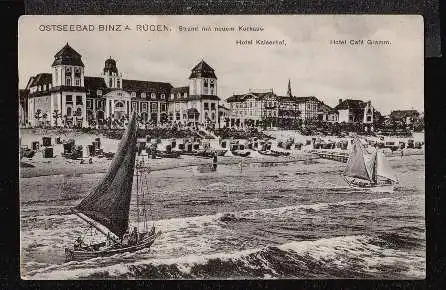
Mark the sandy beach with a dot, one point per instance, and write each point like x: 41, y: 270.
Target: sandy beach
x: 58, y: 165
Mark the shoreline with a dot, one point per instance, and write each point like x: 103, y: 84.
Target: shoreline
x: 61, y: 168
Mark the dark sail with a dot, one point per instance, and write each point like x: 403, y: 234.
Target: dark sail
x: 356, y: 164
x: 109, y: 202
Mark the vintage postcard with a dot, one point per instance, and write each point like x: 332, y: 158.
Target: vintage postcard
x: 222, y: 147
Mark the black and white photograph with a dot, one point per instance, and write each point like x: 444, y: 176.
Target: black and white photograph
x: 221, y: 147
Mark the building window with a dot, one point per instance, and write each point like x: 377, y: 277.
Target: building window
x: 89, y: 104
x: 163, y: 107
x: 68, y: 71
x: 153, y: 107
x: 78, y: 100
x: 118, y: 83
x: 119, y: 105
x: 143, y: 95
x: 144, y: 106
x: 205, y: 83
x: 163, y: 96
x: 369, y: 118
x: 177, y: 116
x: 212, y: 84
x: 172, y: 96
x: 206, y: 106
x: 185, y: 95
x: 99, y: 93
x: 133, y: 94
x: 79, y: 112
x: 77, y: 73
x: 69, y: 99
x: 153, y: 95
x: 110, y: 84
x: 69, y: 111
x: 68, y: 81
x: 77, y: 82
x: 212, y: 106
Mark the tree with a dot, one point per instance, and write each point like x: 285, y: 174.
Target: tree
x: 56, y: 116
x: 227, y: 122
x: 44, y: 118
x: 38, y: 116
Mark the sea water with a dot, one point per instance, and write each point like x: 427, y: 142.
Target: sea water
x: 295, y: 220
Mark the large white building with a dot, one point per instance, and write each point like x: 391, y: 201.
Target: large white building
x: 67, y: 97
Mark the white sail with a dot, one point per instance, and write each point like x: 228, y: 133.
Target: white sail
x: 356, y: 164
x: 370, y: 162
x: 383, y: 168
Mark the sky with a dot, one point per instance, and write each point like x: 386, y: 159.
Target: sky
x: 391, y: 76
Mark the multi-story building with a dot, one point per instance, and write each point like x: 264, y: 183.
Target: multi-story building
x: 223, y: 116
x: 355, y: 111
x: 253, y: 109
x: 270, y: 110
x: 406, y: 117
x: 66, y: 96
x: 308, y: 107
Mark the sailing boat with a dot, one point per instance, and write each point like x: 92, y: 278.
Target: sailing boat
x: 107, y: 207
x: 368, y: 170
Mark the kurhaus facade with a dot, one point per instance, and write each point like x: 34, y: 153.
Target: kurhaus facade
x: 66, y: 96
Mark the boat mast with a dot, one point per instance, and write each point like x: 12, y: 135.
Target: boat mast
x: 137, y: 187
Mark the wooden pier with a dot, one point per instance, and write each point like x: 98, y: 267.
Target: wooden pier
x: 336, y: 156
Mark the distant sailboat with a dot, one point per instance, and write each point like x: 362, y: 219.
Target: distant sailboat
x: 107, y: 207
x: 368, y: 170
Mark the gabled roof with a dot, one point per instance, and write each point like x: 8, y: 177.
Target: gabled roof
x: 325, y: 108
x: 400, y: 114
x: 180, y: 90
x: 202, y: 70
x: 41, y: 79
x: 235, y: 98
x: 67, y: 56
x: 306, y: 99
x: 145, y: 86
x: 243, y: 97
x: 350, y: 104
x: 94, y: 83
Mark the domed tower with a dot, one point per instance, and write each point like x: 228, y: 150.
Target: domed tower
x: 67, y: 68
x: 111, y: 75
x: 203, y: 93
x: 202, y: 80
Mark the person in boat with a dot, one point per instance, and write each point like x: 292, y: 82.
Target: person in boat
x: 133, y: 237
x: 79, y: 244
x: 90, y: 161
x: 108, y: 241
x: 125, y: 239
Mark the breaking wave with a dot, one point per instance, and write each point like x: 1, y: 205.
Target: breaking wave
x: 338, y: 257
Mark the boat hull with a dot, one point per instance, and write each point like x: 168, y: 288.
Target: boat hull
x: 375, y: 187
x: 80, y: 255
x: 241, y: 153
